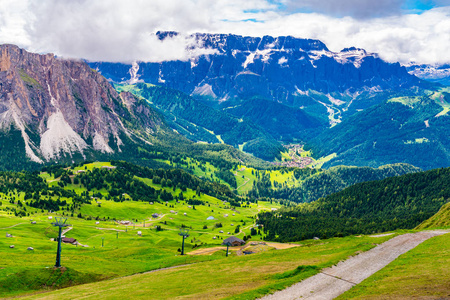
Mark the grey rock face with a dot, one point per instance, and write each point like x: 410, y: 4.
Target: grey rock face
x: 276, y: 68
x: 62, y: 107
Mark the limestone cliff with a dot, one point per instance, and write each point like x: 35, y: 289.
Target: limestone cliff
x: 63, y: 108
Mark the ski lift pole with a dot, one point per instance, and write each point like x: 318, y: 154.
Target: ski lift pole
x: 59, y: 222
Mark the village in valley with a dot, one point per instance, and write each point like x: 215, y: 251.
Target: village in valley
x: 296, y: 157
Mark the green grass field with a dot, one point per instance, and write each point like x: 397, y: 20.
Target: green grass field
x: 440, y: 220
x: 235, y: 277
x: 422, y: 273
x: 408, y: 101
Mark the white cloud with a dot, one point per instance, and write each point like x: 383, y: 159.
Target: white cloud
x: 116, y: 30
x: 360, y: 9
x: 14, y: 18
x: 423, y: 38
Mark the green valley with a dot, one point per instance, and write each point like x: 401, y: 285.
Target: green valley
x: 126, y: 219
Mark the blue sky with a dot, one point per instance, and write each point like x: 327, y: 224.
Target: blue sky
x: 418, y: 6
x: 123, y: 30
x: 355, y: 8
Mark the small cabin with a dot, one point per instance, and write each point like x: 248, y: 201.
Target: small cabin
x: 69, y: 240
x: 233, y: 241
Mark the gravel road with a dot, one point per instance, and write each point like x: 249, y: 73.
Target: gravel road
x: 334, y: 281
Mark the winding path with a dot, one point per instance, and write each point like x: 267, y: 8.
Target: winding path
x: 12, y: 226
x: 246, y: 178
x: 334, y: 281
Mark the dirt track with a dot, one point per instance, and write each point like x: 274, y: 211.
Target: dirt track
x: 334, y: 281
x: 206, y: 251
x: 209, y: 251
x: 280, y: 246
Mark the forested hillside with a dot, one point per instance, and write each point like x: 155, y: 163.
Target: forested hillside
x: 405, y: 129
x: 123, y: 181
x: 317, y: 183
x: 364, y: 208
x: 284, y: 123
x: 200, y: 122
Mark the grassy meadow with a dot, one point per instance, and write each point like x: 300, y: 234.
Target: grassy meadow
x: 440, y: 220
x: 234, y: 277
x: 422, y: 273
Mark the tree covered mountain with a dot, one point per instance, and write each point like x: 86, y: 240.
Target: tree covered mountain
x: 282, y: 122
x: 201, y: 123
x: 318, y: 183
x: 405, y: 129
x: 364, y: 208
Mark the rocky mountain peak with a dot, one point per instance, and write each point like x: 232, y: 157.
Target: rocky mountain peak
x: 275, y: 68
x: 60, y: 107
x: 226, y: 43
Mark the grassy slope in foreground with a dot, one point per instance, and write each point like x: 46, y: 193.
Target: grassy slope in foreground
x: 236, y: 277
x: 422, y: 272
x: 440, y: 220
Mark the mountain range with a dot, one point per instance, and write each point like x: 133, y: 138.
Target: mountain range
x: 297, y: 90
x: 253, y: 93
x: 300, y: 73
x: 439, y: 73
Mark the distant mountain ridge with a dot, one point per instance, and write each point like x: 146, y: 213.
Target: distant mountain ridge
x: 276, y: 68
x: 249, y: 92
x: 299, y: 73
x: 435, y: 73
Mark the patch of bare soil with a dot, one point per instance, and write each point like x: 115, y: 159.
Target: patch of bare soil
x: 280, y: 246
x: 207, y: 251
x: 334, y: 281
x: 381, y: 235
